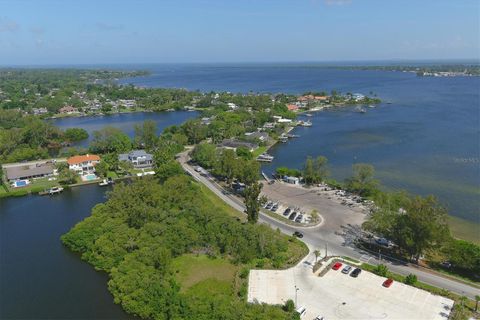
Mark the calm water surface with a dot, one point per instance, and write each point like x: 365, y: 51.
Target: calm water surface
x: 39, y: 277
x: 124, y: 121
x: 426, y: 140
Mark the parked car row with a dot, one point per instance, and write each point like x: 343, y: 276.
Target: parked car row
x: 356, y: 272
x: 290, y: 213
x: 346, y: 270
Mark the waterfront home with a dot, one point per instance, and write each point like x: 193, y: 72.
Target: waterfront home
x: 39, y: 111
x: 283, y: 120
x: 234, y: 144
x: 358, y: 96
x: 138, y: 158
x: 127, y: 103
x: 83, y: 165
x: 68, y: 110
x: 262, y: 136
x: 292, y: 107
x: 29, y: 171
x: 268, y: 125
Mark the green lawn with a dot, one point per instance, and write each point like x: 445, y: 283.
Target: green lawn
x: 259, y: 151
x: 205, y: 275
x: 35, y: 186
x: 220, y: 204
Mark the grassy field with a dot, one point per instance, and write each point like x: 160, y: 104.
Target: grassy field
x: 204, y: 275
x: 259, y: 151
x: 220, y: 204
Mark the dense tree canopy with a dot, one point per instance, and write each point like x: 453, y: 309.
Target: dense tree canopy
x: 144, y: 225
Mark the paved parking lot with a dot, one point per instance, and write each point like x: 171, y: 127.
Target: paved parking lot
x: 340, y: 296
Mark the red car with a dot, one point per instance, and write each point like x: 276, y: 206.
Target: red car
x: 337, y: 266
x: 387, y: 283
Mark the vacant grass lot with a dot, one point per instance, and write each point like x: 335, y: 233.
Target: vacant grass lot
x: 220, y: 205
x: 204, y: 275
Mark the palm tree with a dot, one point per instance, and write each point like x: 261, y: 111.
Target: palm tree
x: 317, y: 254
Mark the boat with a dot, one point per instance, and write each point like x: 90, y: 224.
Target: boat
x: 283, y: 139
x: 360, y: 109
x: 371, y: 106
x: 306, y: 124
x: 51, y: 191
x: 289, y: 135
x: 309, y: 115
x: 265, y: 157
x: 103, y: 183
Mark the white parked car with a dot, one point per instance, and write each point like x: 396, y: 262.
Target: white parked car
x: 301, y: 311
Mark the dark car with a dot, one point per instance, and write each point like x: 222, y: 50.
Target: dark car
x: 292, y: 216
x: 298, y: 234
x: 356, y: 272
x: 299, y: 218
x: 287, y: 212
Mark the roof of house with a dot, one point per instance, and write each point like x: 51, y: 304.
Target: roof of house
x: 230, y: 143
x: 257, y: 135
x: 67, y: 109
x: 18, y: 172
x: 80, y: 159
x: 135, y: 153
x: 292, y: 107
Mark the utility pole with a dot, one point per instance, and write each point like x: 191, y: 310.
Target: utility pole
x: 326, y: 249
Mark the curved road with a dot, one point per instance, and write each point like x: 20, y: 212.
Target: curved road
x: 323, y: 240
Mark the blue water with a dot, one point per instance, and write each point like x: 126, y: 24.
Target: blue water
x: 425, y: 141
x: 124, y: 121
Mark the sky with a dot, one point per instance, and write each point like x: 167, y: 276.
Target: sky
x: 42, y: 32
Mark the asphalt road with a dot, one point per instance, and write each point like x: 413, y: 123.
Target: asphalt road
x: 327, y: 241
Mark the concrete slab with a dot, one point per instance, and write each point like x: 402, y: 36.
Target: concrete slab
x: 340, y: 296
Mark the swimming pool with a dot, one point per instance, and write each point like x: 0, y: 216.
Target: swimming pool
x: 20, y: 183
x: 89, y: 177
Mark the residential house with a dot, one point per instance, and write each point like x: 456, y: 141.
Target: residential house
x: 83, y: 164
x: 292, y: 107
x: 358, y: 96
x: 29, y: 171
x: 39, y: 111
x: 68, y: 110
x: 261, y: 136
x: 232, y: 106
x: 234, y: 144
x: 138, y: 158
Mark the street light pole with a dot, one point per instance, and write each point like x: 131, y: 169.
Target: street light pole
x: 326, y: 249
x: 296, y: 290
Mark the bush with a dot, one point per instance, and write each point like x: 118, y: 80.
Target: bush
x: 289, y: 306
x: 411, y: 279
x: 381, y: 270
